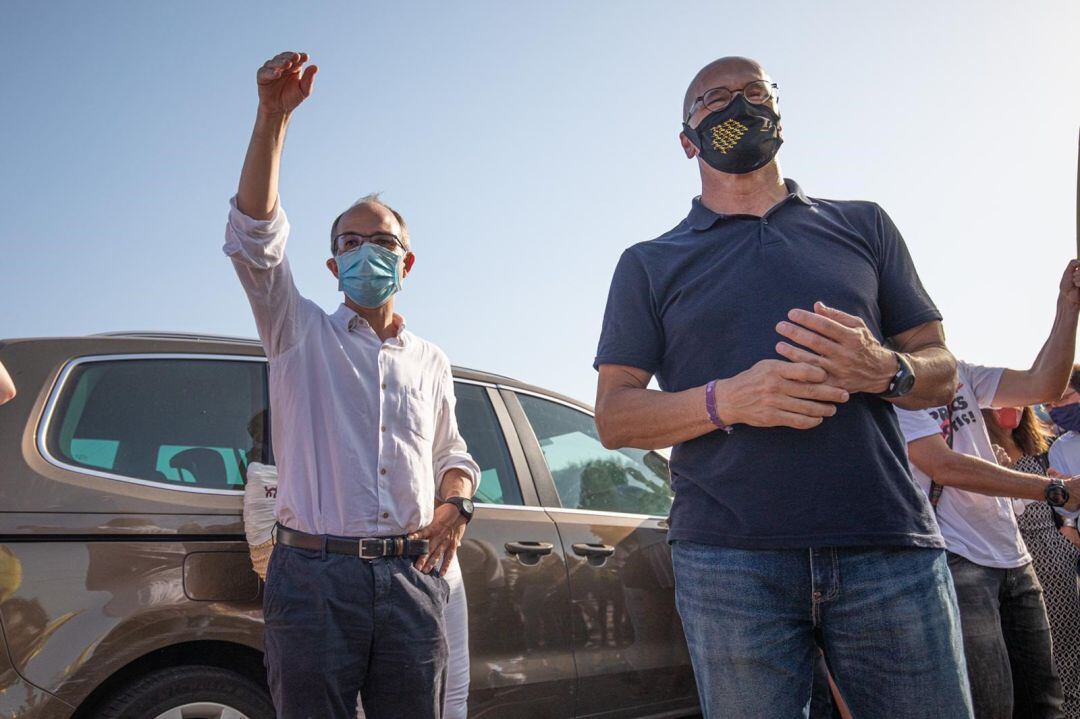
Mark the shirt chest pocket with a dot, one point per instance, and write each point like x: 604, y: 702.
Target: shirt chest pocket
x: 417, y: 413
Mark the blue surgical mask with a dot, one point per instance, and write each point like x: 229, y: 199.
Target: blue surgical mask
x: 1067, y: 417
x: 369, y: 275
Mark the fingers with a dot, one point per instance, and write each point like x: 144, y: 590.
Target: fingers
x: 1073, y: 272
x: 797, y: 354
x: 451, y: 552
x: 820, y: 324
x: 813, y: 340
x: 801, y: 372
x: 816, y: 391
x: 280, y: 65
x: 807, y: 408
x: 307, y: 79
x: 796, y: 421
x: 434, y: 556
x: 838, y: 315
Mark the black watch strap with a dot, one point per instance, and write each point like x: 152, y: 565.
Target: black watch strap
x: 464, y: 505
x: 903, y: 381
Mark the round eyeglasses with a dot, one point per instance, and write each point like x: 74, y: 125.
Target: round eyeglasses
x: 757, y: 92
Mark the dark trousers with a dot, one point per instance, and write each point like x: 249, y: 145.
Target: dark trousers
x: 337, y: 626
x: 1006, y: 641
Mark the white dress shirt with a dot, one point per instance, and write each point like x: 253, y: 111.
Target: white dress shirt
x: 363, y: 430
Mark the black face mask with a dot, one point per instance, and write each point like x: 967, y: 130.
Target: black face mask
x: 738, y: 139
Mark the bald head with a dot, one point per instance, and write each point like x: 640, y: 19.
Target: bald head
x: 730, y: 72
x: 370, y: 212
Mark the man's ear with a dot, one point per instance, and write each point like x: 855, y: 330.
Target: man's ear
x: 331, y: 265
x: 410, y: 258
x: 687, y: 146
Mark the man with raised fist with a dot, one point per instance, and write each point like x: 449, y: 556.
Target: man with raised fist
x: 374, y: 479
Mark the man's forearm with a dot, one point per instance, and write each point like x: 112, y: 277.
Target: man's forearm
x: 651, y: 419
x: 1051, y: 369
x: 455, y: 483
x: 935, y: 379
x: 257, y: 196
x: 977, y: 475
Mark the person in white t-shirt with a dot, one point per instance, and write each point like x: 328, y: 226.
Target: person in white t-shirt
x: 1002, y: 614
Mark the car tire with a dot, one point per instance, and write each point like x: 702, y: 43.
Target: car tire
x: 198, y: 692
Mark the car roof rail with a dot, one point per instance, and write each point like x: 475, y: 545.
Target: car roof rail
x: 159, y: 335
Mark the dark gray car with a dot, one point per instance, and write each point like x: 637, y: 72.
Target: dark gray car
x: 125, y: 585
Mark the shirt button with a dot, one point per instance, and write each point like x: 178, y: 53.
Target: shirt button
x: 383, y: 428
x: 382, y: 471
x: 385, y: 515
x: 384, y: 385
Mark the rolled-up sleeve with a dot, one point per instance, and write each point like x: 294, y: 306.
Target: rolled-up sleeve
x: 449, y: 450
x: 257, y: 251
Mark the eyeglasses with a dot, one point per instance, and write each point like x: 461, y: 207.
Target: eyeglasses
x: 757, y: 92
x: 351, y: 240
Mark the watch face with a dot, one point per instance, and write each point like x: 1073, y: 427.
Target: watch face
x: 1056, y: 495
x: 905, y: 384
x: 467, y: 505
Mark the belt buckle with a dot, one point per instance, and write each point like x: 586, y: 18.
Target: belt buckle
x: 381, y: 544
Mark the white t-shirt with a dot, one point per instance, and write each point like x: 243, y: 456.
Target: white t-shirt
x: 979, y: 528
x: 1065, y: 454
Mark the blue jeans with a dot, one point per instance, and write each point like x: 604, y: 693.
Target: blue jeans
x: 886, y: 618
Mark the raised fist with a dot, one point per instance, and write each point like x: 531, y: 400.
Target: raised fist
x: 284, y: 82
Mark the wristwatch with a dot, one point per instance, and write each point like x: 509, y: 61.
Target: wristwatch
x: 1056, y: 493
x: 903, y: 381
x: 464, y: 505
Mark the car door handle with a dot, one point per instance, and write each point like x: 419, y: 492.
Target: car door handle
x: 593, y: 550
x: 535, y: 549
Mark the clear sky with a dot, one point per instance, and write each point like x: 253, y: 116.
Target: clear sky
x: 527, y: 144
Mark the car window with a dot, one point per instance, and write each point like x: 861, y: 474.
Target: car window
x: 185, y: 423
x: 589, y: 476
x: 480, y: 428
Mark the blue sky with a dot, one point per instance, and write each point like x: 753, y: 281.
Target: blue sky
x: 527, y: 144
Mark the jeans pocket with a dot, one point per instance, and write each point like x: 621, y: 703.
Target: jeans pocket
x: 433, y: 583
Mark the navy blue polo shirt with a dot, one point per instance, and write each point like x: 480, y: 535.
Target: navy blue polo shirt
x: 702, y: 301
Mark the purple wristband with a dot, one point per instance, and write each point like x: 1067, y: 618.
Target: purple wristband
x: 710, y: 407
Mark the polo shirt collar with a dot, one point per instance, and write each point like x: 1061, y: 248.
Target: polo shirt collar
x: 349, y: 321
x: 702, y: 218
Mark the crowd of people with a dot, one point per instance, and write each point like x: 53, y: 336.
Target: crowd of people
x: 859, y: 518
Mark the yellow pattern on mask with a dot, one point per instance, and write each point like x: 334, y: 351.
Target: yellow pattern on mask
x: 727, y: 134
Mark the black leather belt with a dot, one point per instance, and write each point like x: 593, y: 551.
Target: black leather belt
x: 368, y: 548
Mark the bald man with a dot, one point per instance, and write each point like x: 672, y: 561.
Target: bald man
x: 374, y: 479
x: 782, y: 329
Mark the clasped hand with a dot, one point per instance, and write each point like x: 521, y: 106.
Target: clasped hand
x: 839, y: 343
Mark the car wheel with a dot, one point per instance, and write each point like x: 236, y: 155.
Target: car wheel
x: 196, y: 692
